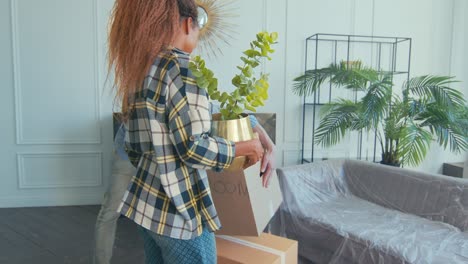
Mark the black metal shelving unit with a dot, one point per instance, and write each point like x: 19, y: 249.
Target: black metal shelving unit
x: 386, y: 54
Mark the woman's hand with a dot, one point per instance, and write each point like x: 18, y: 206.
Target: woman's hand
x: 252, y: 149
x: 268, y: 160
x: 261, y: 149
x: 268, y: 165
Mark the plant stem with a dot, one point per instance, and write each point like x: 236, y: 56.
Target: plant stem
x: 379, y: 136
x: 386, y: 145
x: 391, y: 147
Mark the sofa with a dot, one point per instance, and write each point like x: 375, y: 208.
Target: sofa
x: 346, y: 211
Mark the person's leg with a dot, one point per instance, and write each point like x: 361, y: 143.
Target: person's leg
x: 200, y: 250
x: 152, y: 251
x: 106, y: 223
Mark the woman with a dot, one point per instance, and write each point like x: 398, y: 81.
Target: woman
x: 167, y: 130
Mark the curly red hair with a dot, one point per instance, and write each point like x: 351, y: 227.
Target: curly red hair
x: 139, y: 31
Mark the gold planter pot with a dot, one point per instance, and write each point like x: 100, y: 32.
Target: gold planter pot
x: 235, y: 130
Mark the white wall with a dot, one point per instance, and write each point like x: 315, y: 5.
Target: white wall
x: 438, y: 29
x: 459, y: 56
x: 56, y: 121
x: 450, y: 39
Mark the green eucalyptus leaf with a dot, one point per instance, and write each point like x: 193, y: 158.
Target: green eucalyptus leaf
x: 249, y: 53
x: 236, y: 95
x: 246, y: 61
x: 225, y: 112
x: 197, y: 73
x: 244, y: 79
x: 252, y: 53
x: 236, y: 81
x: 224, y: 97
x: 259, y: 37
x: 213, y: 84
x: 208, y: 73
x: 237, y: 109
x: 247, y: 71
x: 274, y: 36
x: 215, y: 95
x: 250, y: 108
x: 192, y: 65
x: 264, y: 95
x: 202, y: 82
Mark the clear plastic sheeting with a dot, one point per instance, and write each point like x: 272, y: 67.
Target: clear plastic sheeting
x: 360, y: 212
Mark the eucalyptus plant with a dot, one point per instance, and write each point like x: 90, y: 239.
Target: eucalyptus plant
x: 251, y: 91
x: 427, y: 109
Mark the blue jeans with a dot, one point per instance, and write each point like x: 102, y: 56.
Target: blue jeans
x: 166, y: 250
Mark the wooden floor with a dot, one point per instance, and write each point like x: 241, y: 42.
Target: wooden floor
x: 61, y: 235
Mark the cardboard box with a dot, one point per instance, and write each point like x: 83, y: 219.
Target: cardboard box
x: 244, y: 206
x: 266, y: 249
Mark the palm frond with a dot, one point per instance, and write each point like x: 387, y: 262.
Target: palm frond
x: 310, y: 81
x: 360, y: 122
x: 414, y: 144
x: 377, y: 100
x: 435, y: 89
x: 462, y: 119
x: 335, y: 122
x: 450, y: 128
x: 354, y: 78
x: 415, y: 107
x: 351, y: 78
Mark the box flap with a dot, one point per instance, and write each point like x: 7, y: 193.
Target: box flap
x: 265, y: 201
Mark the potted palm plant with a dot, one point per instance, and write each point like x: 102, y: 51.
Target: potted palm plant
x: 250, y: 91
x: 426, y: 110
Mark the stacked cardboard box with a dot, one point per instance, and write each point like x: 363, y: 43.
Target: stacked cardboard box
x: 245, y: 207
x: 265, y: 249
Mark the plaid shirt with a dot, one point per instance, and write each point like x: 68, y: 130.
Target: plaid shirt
x: 168, y: 141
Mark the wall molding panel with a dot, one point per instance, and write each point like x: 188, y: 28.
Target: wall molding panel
x: 19, y: 94
x: 38, y: 170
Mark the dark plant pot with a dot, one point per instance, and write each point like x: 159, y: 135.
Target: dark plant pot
x: 391, y: 164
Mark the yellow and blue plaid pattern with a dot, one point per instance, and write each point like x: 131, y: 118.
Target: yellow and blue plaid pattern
x: 168, y: 141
